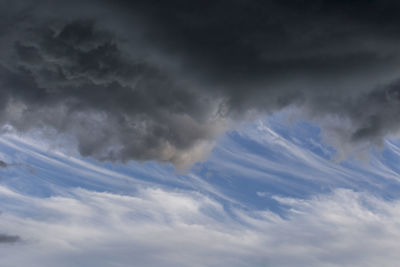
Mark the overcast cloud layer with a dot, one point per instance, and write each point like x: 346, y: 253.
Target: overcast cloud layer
x: 152, y: 80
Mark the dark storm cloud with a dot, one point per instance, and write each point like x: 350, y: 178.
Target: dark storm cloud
x: 3, y: 164
x: 9, y: 239
x: 161, y: 79
x: 77, y: 79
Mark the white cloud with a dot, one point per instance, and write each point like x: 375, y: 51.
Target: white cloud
x: 180, y: 228
x: 160, y: 226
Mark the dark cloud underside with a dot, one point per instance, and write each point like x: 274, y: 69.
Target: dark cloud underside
x: 9, y: 239
x: 160, y: 80
x: 3, y: 164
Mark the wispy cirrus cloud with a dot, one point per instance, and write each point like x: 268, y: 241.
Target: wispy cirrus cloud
x: 156, y: 227
x: 76, y: 212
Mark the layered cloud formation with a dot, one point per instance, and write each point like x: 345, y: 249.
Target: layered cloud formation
x: 165, y: 228
x: 146, y: 80
x: 280, y: 202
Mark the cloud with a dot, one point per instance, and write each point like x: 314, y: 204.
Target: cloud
x: 81, y: 83
x: 169, y: 228
x: 9, y: 239
x: 3, y: 164
x: 157, y: 224
x: 161, y: 81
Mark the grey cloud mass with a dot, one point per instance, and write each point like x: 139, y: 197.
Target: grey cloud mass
x: 3, y: 164
x: 4, y: 239
x: 160, y: 80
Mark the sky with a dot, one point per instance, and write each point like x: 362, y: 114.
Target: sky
x: 200, y: 133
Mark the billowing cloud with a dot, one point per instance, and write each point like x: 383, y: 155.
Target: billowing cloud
x: 160, y: 81
x: 77, y: 80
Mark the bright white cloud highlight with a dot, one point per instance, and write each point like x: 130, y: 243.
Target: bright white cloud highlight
x: 173, y: 228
